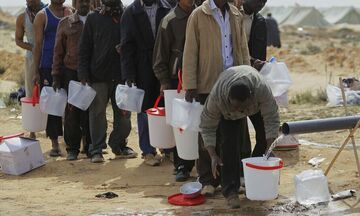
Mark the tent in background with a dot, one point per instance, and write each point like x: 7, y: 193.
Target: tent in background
x: 339, y: 15
x: 280, y: 14
x: 306, y: 17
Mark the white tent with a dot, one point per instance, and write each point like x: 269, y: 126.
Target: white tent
x: 338, y: 15
x: 305, y: 16
x: 280, y: 14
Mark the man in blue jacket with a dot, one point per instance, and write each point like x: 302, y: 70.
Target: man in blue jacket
x: 140, y: 23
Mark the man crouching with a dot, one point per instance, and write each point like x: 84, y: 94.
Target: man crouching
x: 239, y: 92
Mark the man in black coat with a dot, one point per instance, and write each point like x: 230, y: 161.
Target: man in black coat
x: 273, y: 32
x: 99, y: 66
x: 255, y: 29
x: 140, y: 23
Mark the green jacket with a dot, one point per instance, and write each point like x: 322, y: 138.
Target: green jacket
x: 218, y: 106
x: 169, y: 45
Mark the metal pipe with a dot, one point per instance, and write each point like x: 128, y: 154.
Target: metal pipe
x: 319, y: 125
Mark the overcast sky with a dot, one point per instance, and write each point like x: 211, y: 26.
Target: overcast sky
x: 317, y: 3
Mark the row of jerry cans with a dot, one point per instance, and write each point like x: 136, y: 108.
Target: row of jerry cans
x: 35, y: 109
x: 176, y: 124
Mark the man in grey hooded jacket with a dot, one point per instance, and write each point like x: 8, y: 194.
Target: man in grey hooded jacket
x: 239, y: 92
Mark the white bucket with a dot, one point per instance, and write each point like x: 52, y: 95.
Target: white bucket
x: 80, y: 95
x: 187, y: 144
x: 169, y: 96
x: 53, y: 103
x: 33, y: 120
x: 277, y: 76
x: 181, y: 113
x: 262, y: 177
x: 129, y: 98
x: 161, y: 135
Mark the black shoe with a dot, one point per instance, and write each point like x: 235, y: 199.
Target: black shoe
x: 182, y: 175
x: 71, y: 156
x: 55, y: 153
x: 97, y: 158
x: 126, y: 152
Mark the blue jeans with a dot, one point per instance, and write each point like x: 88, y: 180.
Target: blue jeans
x: 144, y: 139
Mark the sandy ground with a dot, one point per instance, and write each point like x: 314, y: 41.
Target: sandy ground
x: 69, y: 188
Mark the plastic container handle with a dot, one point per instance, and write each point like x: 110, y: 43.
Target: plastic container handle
x: 2, y: 138
x: 157, y: 102
x: 272, y: 59
x: 281, y: 165
x: 179, y: 87
x: 35, y: 96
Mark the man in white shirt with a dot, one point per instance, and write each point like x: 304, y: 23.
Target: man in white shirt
x: 215, y: 41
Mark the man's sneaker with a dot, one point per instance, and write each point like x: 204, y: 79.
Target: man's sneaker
x: 182, y: 175
x: 54, y: 153
x: 71, y: 156
x: 233, y: 201
x: 126, y: 152
x: 97, y: 158
x: 151, y: 160
x: 208, y: 190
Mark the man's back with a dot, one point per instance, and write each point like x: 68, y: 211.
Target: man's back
x: 273, y: 33
x: 258, y: 38
x: 98, y: 55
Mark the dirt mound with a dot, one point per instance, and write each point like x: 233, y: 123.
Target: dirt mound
x: 7, y: 21
x: 293, y: 61
x: 335, y: 56
x: 12, y: 66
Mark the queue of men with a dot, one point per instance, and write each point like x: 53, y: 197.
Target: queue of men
x: 216, y: 46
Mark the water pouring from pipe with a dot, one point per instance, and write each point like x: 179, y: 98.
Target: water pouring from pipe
x: 272, y: 146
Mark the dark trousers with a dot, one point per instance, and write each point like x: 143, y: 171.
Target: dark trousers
x: 179, y: 163
x: 232, y: 135
x: 54, y: 123
x: 260, y: 135
x: 76, y: 124
x: 105, y: 91
x: 203, y: 164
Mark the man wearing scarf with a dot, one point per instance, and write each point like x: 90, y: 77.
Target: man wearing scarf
x: 24, y: 27
x: 99, y: 66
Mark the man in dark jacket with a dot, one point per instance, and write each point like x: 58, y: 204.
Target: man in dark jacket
x: 168, y: 53
x: 65, y: 63
x: 273, y: 33
x: 255, y: 29
x: 139, y: 27
x: 99, y: 65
